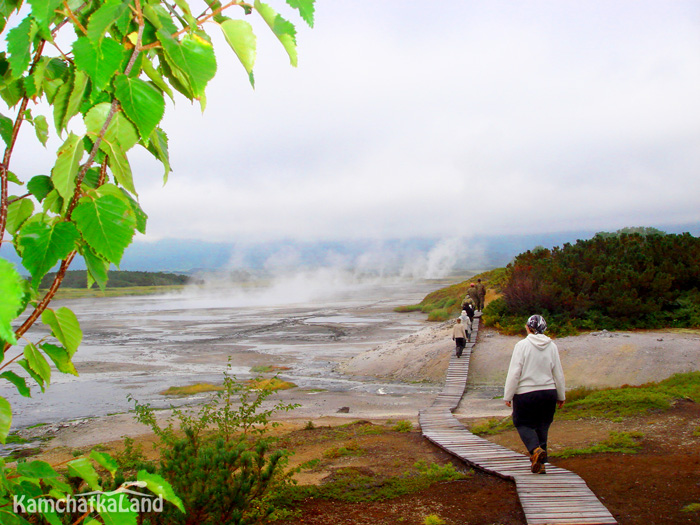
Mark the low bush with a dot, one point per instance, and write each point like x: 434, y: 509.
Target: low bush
x: 220, y: 459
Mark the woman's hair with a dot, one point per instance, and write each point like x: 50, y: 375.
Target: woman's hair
x: 537, y: 324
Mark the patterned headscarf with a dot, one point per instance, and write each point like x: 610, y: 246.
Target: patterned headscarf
x: 537, y: 324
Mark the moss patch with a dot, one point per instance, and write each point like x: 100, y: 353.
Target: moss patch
x: 189, y: 390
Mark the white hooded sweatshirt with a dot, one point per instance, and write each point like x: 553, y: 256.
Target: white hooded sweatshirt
x: 535, y: 365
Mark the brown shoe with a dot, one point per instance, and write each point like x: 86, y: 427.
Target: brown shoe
x: 537, y: 459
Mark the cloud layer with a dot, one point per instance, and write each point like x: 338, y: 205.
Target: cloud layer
x: 409, y: 119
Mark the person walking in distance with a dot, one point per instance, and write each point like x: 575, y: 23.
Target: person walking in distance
x: 466, y: 323
x: 459, y: 336
x: 480, y: 294
x: 535, y: 387
x: 473, y: 296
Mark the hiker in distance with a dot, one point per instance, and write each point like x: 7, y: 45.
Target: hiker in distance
x: 467, y: 324
x: 480, y: 294
x: 535, y: 387
x: 459, y: 336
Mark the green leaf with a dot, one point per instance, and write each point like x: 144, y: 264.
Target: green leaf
x: 107, y: 224
x: 139, y: 214
x: 37, y: 362
x: 156, y: 78
x: 194, y: 57
x: 19, y: 42
x: 283, y: 29
x: 239, y: 35
x: 36, y: 469
x: 306, y: 9
x: 44, y: 11
x: 44, y: 244
x: 82, y: 468
x: 96, y: 266
x: 40, y: 186
x: 39, y: 380
x: 106, y: 461
x: 41, y: 128
x: 5, y: 419
x: 119, y: 163
x: 160, y: 487
x: 19, y: 383
x: 65, y: 327
x: 120, y: 129
x: 6, y: 126
x: 11, y: 299
x: 67, y: 164
x: 18, y: 212
x: 53, y: 202
x: 11, y: 177
x: 60, y: 106
x: 80, y: 82
x: 158, y: 146
x: 142, y: 103
x: 100, y: 62
x: 101, y: 20
x: 60, y: 357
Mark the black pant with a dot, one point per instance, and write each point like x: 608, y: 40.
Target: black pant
x: 460, y: 343
x: 533, y: 413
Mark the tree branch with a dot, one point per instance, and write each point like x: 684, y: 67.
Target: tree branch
x: 5, y: 165
x: 65, y: 263
x: 71, y: 15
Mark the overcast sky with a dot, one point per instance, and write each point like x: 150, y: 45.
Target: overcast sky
x: 458, y: 117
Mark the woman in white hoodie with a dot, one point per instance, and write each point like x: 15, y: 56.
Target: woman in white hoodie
x: 535, y: 387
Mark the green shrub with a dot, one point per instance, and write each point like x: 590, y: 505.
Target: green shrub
x: 433, y: 519
x: 615, y: 282
x: 229, y: 474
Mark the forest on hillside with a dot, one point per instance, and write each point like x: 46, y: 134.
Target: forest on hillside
x: 624, y: 281
x: 119, y: 279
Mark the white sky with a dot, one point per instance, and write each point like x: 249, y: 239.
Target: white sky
x: 408, y: 118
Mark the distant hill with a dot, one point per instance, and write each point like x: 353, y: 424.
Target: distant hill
x: 119, y: 279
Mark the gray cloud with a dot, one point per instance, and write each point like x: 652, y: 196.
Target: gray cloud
x: 409, y: 119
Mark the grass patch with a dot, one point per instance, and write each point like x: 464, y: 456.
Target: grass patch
x: 408, y: 308
x: 433, y: 519
x: 266, y: 369
x: 359, y: 485
x: 492, y: 426
x: 272, y: 383
x: 630, y: 401
x: 189, y: 390
x: 618, y: 442
x: 402, y: 426
x: 351, y: 449
x: 15, y: 439
x: 693, y: 507
x: 446, y: 303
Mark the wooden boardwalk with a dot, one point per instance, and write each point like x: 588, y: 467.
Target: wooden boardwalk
x: 558, y: 497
